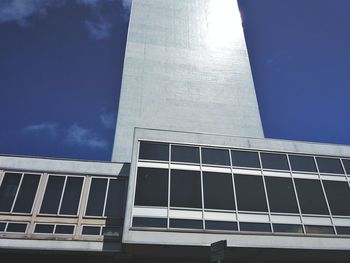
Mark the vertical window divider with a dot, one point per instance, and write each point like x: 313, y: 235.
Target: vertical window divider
x: 202, y: 190
x: 106, y: 195
x: 133, y: 183
x: 15, y: 199
x: 2, y: 172
x: 296, y: 195
x: 325, y: 196
x: 169, y: 177
x: 62, y: 194
x: 83, y: 203
x: 234, y: 190
x: 266, y: 195
x: 346, y: 174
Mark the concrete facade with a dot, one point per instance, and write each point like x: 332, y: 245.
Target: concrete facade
x: 186, y: 69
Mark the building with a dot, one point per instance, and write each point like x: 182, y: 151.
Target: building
x: 190, y: 166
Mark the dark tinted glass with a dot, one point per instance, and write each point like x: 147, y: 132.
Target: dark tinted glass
x: 52, y: 195
x: 96, y: 197
x: 215, y: 156
x: 16, y: 227
x: 64, y: 229
x: 329, y: 165
x: 250, y: 193
x: 8, y: 191
x: 149, y: 222
x: 26, y: 194
x: 185, y: 189
x: 111, y: 231
x: 346, y: 165
x: 343, y: 230
x: 281, y: 195
x: 218, y: 191
x: 287, y: 228
x: 274, y: 161
x: 328, y: 230
x: 71, y: 196
x: 245, y: 159
x: 44, y: 229
x: 184, y: 223
x: 302, y: 163
x: 2, y: 227
x: 256, y: 227
x: 91, y: 230
x: 115, y: 198
x: 184, y: 154
x: 152, y: 187
x: 220, y: 225
x: 154, y: 151
x: 338, y: 195
x: 311, y: 198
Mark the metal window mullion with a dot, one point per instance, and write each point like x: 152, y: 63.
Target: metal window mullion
x: 325, y: 196
x: 2, y: 175
x: 346, y: 174
x: 169, y: 185
x: 234, y: 191
x: 62, y: 194
x: 83, y: 202
x: 106, y: 196
x: 266, y: 195
x: 202, y: 190
x: 133, y: 187
x: 19, y: 187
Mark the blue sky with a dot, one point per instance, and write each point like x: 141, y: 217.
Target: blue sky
x: 61, y: 65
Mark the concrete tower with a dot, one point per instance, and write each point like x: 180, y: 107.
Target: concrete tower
x: 186, y: 69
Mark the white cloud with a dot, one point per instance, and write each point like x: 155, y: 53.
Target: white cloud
x: 99, y: 30
x: 108, y: 119
x: 80, y: 136
x: 41, y: 128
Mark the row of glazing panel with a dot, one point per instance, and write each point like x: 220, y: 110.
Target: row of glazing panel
x: 209, y: 184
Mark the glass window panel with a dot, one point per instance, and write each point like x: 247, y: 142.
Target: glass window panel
x: 287, y: 228
x: 274, y: 161
x: 184, y: 154
x: 184, y: 223
x: 302, y: 163
x: 64, y: 229
x: 116, y: 198
x: 245, y: 159
x: 2, y: 227
x: 329, y: 165
x: 26, y: 193
x: 8, y: 191
x: 255, y: 227
x: 16, y: 227
x: 218, y: 191
x: 327, y: 230
x: 311, y: 198
x: 44, y: 228
x: 149, y: 222
x: 96, y: 198
x: 346, y: 165
x: 215, y: 156
x: 281, y: 195
x: 185, y: 189
x: 152, y: 187
x: 220, y: 225
x: 343, y: 230
x: 338, y: 195
x: 71, y: 196
x: 91, y: 230
x: 52, y: 195
x: 154, y: 151
x: 250, y: 193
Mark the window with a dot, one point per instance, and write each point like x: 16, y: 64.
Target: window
x: 218, y: 191
x: 154, y: 151
x: 274, y: 161
x: 245, y: 159
x: 338, y: 195
x: 302, y: 163
x: 16, y: 227
x: 185, y: 223
x: 250, y: 193
x: 91, y: 230
x: 287, y: 228
x: 17, y: 192
x: 116, y: 198
x: 184, y: 154
x: 325, y: 230
x: 255, y: 227
x: 343, y: 230
x: 44, y: 228
x: 215, y: 156
x: 221, y: 225
x: 311, y: 198
x: 346, y: 165
x: 62, y: 195
x: 281, y: 195
x: 64, y: 229
x: 2, y: 226
x: 185, y: 189
x: 152, y: 187
x: 149, y: 222
x: 329, y: 165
